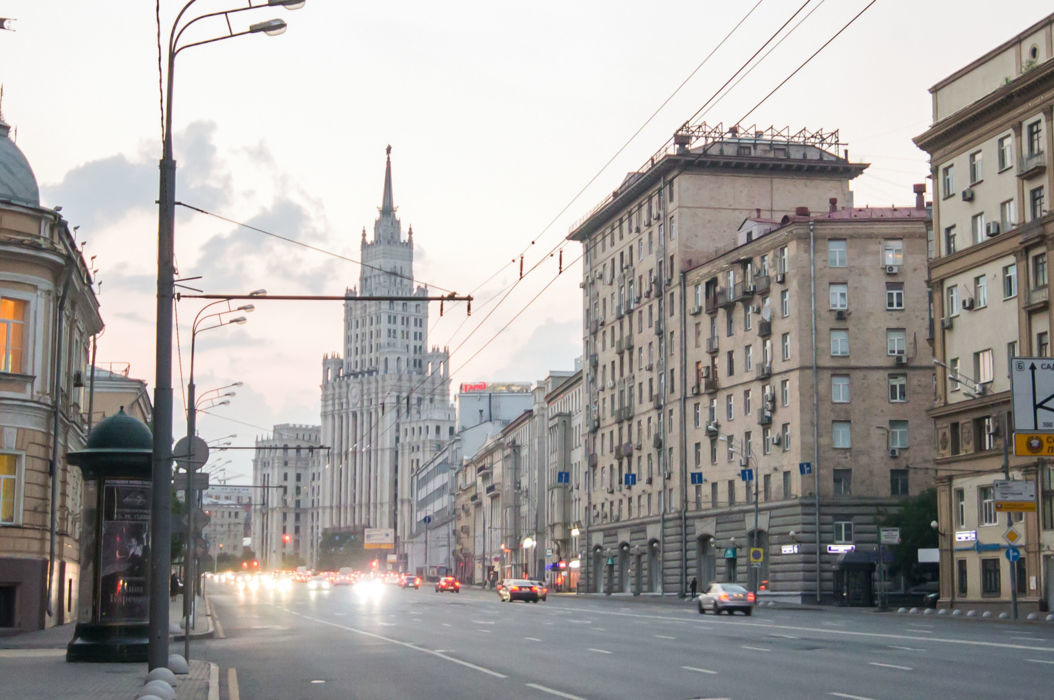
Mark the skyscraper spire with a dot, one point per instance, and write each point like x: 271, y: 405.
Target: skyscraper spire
x: 387, y: 202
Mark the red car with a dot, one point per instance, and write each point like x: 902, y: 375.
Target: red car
x: 448, y: 583
x: 410, y: 581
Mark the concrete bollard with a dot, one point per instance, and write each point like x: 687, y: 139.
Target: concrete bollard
x: 957, y: 612
x: 158, y: 688
x: 1050, y: 617
x: 177, y: 664
x: 986, y: 613
x: 1004, y: 616
x: 913, y: 611
x: 162, y: 674
x: 971, y: 613
x: 927, y: 611
x: 942, y: 611
x: 1032, y: 616
x: 902, y: 611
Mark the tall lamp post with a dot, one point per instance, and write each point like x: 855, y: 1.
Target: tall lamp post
x: 161, y: 495
x: 749, y: 459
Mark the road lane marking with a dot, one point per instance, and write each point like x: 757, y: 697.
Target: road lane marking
x: 754, y: 648
x: 232, y: 684
x: 214, y: 681
x: 532, y: 639
x: 600, y: 651
x: 699, y: 670
x: 483, y: 630
x: 483, y: 622
x: 316, y: 682
x: 217, y: 625
x: 390, y: 640
x: 600, y: 629
x: 785, y: 636
x: 851, y: 697
x: 446, y: 624
x: 663, y: 636
x: 557, y: 693
x: 1039, y: 661
x: 899, y: 668
x: 894, y: 646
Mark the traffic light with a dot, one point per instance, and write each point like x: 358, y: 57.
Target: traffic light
x: 287, y: 538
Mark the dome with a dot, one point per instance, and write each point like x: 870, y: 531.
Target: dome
x: 120, y: 432
x: 17, y: 182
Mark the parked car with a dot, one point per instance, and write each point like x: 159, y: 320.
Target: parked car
x: 726, y: 597
x: 410, y: 581
x: 448, y: 583
x: 518, y: 589
x: 925, y: 594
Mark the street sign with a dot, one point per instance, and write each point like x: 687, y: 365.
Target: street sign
x: 200, y: 481
x: 1033, y: 445
x: 789, y: 549
x: 889, y: 535
x: 1011, y: 536
x: 1032, y: 393
x: 563, y: 477
x: 805, y: 468
x: 630, y: 479
x: 427, y: 519
x: 696, y: 477
x: 378, y: 538
x: 746, y: 474
x: 1016, y: 496
x: 1012, y: 554
x: 191, y: 454
x: 548, y: 552
x: 757, y: 555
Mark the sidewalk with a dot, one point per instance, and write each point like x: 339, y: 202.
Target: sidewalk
x: 33, y: 665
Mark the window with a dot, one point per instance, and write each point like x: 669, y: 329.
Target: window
x: 980, y: 291
x: 12, y: 330
x: 785, y: 346
x: 730, y: 407
x: 836, y: 253
x: 785, y: 393
x: 748, y: 358
x: 1033, y: 139
x: 894, y: 296
x: 839, y: 343
x: 1035, y: 203
x: 952, y: 307
x: 731, y: 492
x: 898, y: 434
x: 1006, y: 152
x: 949, y: 240
x: 840, y: 388
x: 898, y: 482
x: 786, y: 485
x: 1010, y: 281
x: 843, y: 531
x: 785, y: 432
x: 747, y: 320
x: 1007, y: 215
x: 953, y: 374
x: 960, y: 577
x: 983, y: 367
x: 839, y: 296
x: 1039, y: 271
x: 785, y: 305
x: 976, y: 167
x: 960, y: 507
x: 730, y: 358
x: 948, y: 181
x: 898, y: 388
x: 746, y: 402
x: 896, y: 342
x: 977, y: 228
x: 1043, y: 344
x: 990, y: 577
x: 986, y: 497
x: 893, y: 252
x: 730, y: 324
x: 840, y: 435
x: 8, y: 489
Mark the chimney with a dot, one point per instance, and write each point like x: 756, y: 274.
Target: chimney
x: 833, y: 202
x: 801, y: 211
x: 920, y: 191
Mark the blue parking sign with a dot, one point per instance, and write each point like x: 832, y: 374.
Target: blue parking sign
x: 805, y: 468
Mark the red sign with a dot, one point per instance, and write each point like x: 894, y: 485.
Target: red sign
x: 475, y: 386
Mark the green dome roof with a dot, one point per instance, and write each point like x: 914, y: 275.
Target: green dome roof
x: 17, y: 182
x: 120, y: 432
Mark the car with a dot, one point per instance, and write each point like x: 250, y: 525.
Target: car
x: 726, y: 597
x: 318, y: 582
x: 448, y: 583
x: 926, y: 594
x: 410, y: 581
x: 519, y: 589
x: 543, y: 590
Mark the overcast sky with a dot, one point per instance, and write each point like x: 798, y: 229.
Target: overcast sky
x: 498, y: 113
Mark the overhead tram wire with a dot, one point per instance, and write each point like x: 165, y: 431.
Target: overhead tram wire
x: 311, y: 247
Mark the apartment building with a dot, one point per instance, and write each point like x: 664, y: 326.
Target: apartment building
x: 230, y: 516
x: 683, y: 207
x: 989, y: 146
x: 286, y: 523
x: 564, y: 497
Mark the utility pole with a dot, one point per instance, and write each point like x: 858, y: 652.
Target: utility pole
x: 1009, y: 516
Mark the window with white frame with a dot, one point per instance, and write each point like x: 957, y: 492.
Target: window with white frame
x: 893, y: 251
x: 1010, y: 281
x: 766, y: 440
x: 748, y: 358
x: 785, y: 303
x: 1039, y: 271
x: 977, y: 228
x: 976, y: 167
x: 950, y: 245
x: 980, y: 291
x: 1007, y: 215
x: 746, y: 402
x: 960, y: 507
x: 783, y: 260
x: 1034, y: 138
x: 842, y: 481
x: 953, y: 374
x: 841, y: 438
x: 843, y: 531
x: 983, y: 366
x: 896, y: 341
x: 730, y: 407
x: 839, y: 296
x: 986, y: 499
x: 898, y: 388
x: 952, y: 307
x: 837, y: 253
x: 1005, y: 146
x: 9, y: 500
x: 840, y: 388
x: 785, y: 346
x: 785, y: 393
x: 839, y: 342
x: 12, y: 335
x: 894, y: 296
x: 785, y: 436
x: 898, y: 434
x: 948, y: 181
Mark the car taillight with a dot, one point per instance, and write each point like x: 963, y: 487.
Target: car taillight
x: 515, y: 588
x: 750, y: 597
x: 724, y: 596
x: 417, y: 581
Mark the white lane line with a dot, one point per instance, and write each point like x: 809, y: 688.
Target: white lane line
x: 483, y: 622
x: 663, y: 636
x: 786, y: 636
x: 557, y: 693
x: 894, y: 646
x: 851, y: 697
x: 600, y: 651
x: 699, y: 670
x: 483, y: 631
x: 532, y: 639
x: 407, y: 645
x: 899, y: 668
x: 446, y: 624
x: 754, y: 648
x: 1039, y: 661
x: 600, y: 629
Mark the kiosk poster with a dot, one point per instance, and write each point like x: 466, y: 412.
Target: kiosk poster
x: 125, y: 536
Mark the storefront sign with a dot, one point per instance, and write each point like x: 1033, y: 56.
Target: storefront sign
x: 840, y: 548
x: 966, y: 535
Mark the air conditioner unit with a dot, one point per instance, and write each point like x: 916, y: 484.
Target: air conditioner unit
x: 967, y: 303
x: 901, y: 360
x: 713, y: 429
x: 776, y: 439
x: 755, y: 309
x: 650, y: 366
x: 780, y: 277
x: 892, y: 269
x: 648, y: 480
x: 991, y: 228
x: 704, y: 372
x: 894, y: 452
x: 695, y: 390
x: 839, y: 315
x: 946, y: 323
x: 611, y: 384
x: 968, y: 195
x: 668, y: 475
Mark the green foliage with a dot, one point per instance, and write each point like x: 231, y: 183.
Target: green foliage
x: 913, y: 516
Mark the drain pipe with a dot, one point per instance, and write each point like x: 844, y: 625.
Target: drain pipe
x: 56, y: 383
x: 815, y: 403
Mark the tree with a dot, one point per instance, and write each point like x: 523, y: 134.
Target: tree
x: 913, y: 517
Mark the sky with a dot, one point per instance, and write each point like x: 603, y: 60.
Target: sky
x: 502, y: 117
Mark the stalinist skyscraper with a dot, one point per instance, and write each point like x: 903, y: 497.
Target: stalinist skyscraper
x: 386, y: 403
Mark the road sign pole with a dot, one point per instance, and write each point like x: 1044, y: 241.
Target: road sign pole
x: 1009, y: 516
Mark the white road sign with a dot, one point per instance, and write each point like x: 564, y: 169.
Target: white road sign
x: 1032, y: 390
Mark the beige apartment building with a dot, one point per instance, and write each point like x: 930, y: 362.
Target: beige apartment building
x: 682, y: 208
x: 989, y: 147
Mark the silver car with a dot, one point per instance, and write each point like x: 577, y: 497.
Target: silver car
x: 726, y: 597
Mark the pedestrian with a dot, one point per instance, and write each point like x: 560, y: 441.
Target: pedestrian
x: 174, y: 585
x: 693, y: 586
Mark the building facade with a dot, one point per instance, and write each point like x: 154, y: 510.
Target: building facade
x: 230, y: 522
x: 48, y: 314
x: 989, y: 146
x: 386, y: 402
x: 286, y: 527
x: 564, y: 495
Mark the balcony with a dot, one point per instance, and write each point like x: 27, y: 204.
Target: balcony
x: 695, y: 310
x: 711, y: 304
x: 723, y: 298
x: 657, y: 401
x: 1037, y: 298
x: 492, y: 491
x: 764, y: 417
x: 765, y: 328
x: 1034, y: 164
x: 483, y: 469
x: 712, y: 346
x: 594, y: 360
x: 710, y: 386
x: 764, y: 371
x: 656, y: 441
x: 592, y: 460
x: 627, y: 449
x: 762, y: 283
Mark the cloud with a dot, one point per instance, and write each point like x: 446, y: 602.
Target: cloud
x: 553, y: 345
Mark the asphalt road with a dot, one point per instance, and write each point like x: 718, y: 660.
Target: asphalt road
x: 420, y: 644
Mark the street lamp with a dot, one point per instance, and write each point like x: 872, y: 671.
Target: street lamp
x: 747, y: 459
x: 161, y: 497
